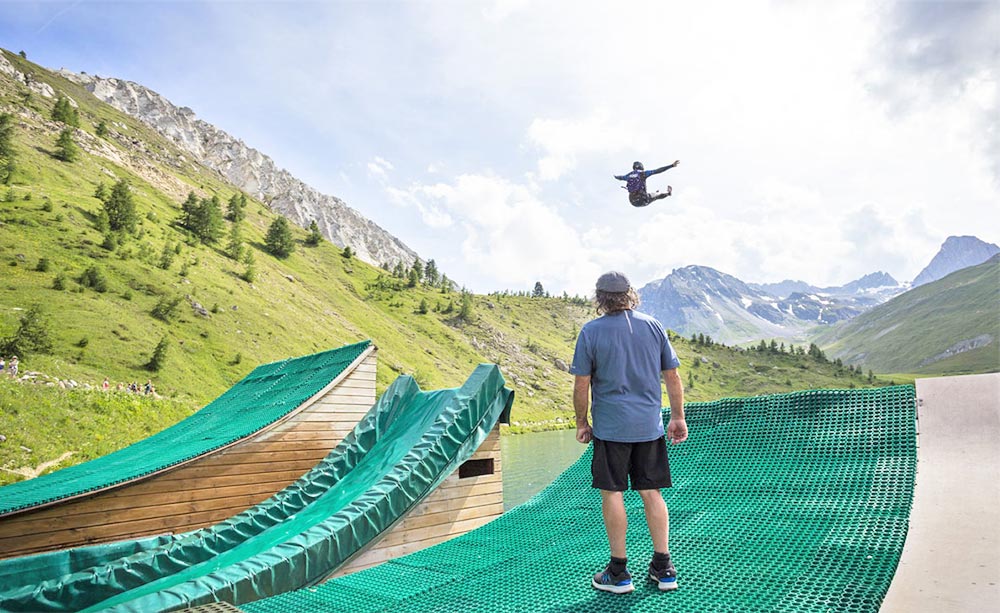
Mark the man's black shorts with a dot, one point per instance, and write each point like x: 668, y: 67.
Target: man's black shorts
x: 645, y: 463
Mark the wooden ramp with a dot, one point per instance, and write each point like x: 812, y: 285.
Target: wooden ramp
x: 212, y: 485
x: 951, y: 560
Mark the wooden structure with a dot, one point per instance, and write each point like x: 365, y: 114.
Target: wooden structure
x: 468, y: 498
x: 222, y: 483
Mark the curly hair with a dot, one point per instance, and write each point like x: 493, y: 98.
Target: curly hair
x: 612, y: 302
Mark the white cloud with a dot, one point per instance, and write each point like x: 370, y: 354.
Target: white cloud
x: 563, y: 141
x: 379, y: 168
x: 431, y: 215
x: 510, y: 234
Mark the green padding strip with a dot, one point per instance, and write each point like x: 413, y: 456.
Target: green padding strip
x: 264, y: 396
x: 796, y: 502
x: 397, y: 454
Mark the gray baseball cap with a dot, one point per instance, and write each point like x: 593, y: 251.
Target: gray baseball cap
x: 614, y: 282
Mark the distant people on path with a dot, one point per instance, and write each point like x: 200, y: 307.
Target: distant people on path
x: 3, y: 365
x: 148, y: 388
x: 618, y: 362
x: 13, y: 366
x: 635, y: 183
x: 105, y: 385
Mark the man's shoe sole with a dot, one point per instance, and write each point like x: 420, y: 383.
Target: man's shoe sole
x: 614, y: 589
x: 664, y: 586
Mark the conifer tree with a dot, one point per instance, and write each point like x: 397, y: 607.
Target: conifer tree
x: 314, y: 236
x: 236, y: 211
x: 63, y: 111
x: 159, y: 357
x: 102, y: 129
x: 431, y: 274
x: 6, y: 147
x: 279, y: 241
x: 101, y: 192
x: 120, y: 208
x: 235, y: 247
x: 66, y: 149
x: 538, y: 291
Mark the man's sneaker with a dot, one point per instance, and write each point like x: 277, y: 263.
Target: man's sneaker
x: 617, y: 584
x: 665, y: 579
x: 670, y: 190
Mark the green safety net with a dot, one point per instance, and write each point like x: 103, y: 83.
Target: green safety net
x: 398, y: 453
x: 264, y: 396
x: 796, y: 502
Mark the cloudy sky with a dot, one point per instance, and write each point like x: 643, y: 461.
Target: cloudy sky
x: 818, y: 141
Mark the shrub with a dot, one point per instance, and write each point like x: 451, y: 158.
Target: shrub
x: 94, y: 278
x: 59, y: 282
x: 166, y: 307
x: 43, y: 265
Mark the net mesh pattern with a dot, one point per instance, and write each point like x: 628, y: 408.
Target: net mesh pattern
x: 268, y: 393
x: 791, y: 502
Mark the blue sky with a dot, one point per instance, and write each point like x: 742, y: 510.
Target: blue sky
x: 818, y: 141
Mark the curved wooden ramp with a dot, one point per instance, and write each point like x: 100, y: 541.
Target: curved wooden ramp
x: 254, y: 440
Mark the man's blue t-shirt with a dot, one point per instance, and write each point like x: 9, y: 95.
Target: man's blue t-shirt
x: 624, y: 354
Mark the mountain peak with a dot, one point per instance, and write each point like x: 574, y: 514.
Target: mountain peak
x: 956, y: 253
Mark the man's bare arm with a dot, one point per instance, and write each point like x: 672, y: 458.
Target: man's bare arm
x: 677, y: 428
x: 581, y: 405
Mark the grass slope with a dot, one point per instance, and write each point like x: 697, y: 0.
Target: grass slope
x: 927, y: 329
x: 313, y: 300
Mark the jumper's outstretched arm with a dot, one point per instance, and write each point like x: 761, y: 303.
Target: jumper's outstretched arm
x: 657, y: 171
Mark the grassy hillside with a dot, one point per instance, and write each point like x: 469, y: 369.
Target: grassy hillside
x: 950, y: 326
x: 315, y: 299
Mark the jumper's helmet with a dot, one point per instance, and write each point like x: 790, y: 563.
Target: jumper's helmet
x: 637, y: 166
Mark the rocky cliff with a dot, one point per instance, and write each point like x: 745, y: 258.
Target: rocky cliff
x: 250, y: 170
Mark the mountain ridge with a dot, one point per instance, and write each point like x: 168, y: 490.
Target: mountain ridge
x: 250, y: 170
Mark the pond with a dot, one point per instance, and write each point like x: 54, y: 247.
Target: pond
x: 531, y: 461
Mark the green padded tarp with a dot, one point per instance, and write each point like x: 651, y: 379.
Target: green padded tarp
x: 396, y: 455
x: 264, y: 396
x: 796, y: 502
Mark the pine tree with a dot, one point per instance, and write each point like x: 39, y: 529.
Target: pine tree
x: 101, y: 192
x: 159, y: 358
x: 202, y: 217
x: 235, y: 247
x: 66, y: 149
x: 236, y: 211
x: 189, y: 210
x: 32, y: 335
x: 347, y: 253
x: 7, y: 165
x: 314, y: 236
x: 538, y: 291
x: 121, y: 208
x: 418, y: 268
x: 422, y: 309
x: 63, y: 111
x: 431, y: 274
x: 102, y: 129
x: 465, y: 312
x: 279, y: 241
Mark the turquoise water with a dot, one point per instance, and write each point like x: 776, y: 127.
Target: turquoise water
x: 532, y: 461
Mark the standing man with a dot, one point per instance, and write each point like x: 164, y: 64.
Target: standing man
x: 618, y: 363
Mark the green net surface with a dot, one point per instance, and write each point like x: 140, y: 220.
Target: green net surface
x: 794, y: 502
x: 267, y: 394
